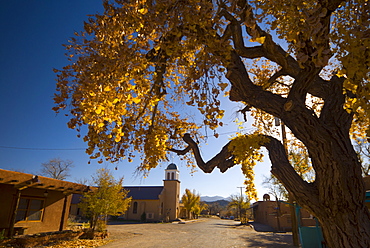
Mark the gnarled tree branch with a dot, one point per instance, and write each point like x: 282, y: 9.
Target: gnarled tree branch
x: 281, y: 167
x: 223, y: 160
x: 282, y: 170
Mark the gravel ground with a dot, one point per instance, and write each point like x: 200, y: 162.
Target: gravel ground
x: 215, y: 233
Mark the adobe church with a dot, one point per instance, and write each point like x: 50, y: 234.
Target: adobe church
x: 156, y: 203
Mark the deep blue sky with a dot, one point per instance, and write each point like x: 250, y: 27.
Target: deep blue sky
x: 32, y: 34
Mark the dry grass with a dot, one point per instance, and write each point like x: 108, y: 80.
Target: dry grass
x: 80, y: 239
x: 78, y: 243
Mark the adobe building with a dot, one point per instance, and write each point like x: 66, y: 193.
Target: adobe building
x: 156, y: 203
x: 32, y: 204
x: 277, y: 215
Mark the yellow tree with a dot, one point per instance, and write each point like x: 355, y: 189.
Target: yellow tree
x: 135, y: 67
x: 240, y: 204
x: 191, y: 202
x: 108, y: 198
x: 199, y: 208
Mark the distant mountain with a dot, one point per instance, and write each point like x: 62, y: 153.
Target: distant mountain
x: 212, y: 198
x: 220, y: 203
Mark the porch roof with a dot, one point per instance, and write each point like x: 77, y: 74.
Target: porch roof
x: 22, y: 181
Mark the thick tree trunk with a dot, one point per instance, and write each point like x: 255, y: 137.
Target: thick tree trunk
x: 349, y: 227
x: 337, y: 196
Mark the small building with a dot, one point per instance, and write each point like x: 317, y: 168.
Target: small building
x: 33, y: 204
x: 278, y: 215
x: 156, y: 203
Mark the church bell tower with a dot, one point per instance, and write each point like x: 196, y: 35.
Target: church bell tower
x: 172, y: 192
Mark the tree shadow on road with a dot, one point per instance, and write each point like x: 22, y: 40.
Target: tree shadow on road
x: 270, y: 240
x: 227, y: 225
x: 126, y: 222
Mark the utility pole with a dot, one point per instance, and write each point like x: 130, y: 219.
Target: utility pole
x: 240, y: 202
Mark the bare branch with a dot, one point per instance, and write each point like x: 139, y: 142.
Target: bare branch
x: 56, y: 168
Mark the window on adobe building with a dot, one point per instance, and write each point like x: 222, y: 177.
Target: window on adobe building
x: 30, y: 209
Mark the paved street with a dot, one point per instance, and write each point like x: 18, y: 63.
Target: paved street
x: 204, y: 233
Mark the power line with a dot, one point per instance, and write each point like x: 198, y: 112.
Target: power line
x: 45, y: 149
x: 72, y: 149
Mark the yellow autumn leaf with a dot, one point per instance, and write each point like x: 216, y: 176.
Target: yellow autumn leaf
x: 223, y: 85
x: 260, y: 40
x: 341, y: 73
x: 99, y: 110
x: 136, y: 100
x: 143, y: 11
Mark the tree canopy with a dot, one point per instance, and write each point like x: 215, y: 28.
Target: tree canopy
x: 240, y: 204
x: 135, y: 68
x: 192, y: 203
x: 107, y: 198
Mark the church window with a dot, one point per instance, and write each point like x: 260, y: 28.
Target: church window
x: 134, y: 209
x: 173, y: 176
x: 168, y: 176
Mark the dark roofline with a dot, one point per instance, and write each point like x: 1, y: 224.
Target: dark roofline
x: 144, y: 192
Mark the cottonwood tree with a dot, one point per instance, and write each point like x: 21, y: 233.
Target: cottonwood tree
x: 57, y: 168
x: 215, y: 208
x: 192, y: 203
x: 135, y: 67
x: 240, y: 204
x: 107, y: 198
x: 199, y: 208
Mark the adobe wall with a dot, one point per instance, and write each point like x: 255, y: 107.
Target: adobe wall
x: 171, y: 199
x: 150, y: 207
x: 53, y: 207
x: 267, y: 213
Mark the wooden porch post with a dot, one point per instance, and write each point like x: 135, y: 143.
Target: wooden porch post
x: 63, y: 213
x: 14, y: 214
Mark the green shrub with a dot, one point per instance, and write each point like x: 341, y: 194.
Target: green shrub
x: 143, y: 217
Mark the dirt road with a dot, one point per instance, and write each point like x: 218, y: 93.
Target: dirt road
x: 214, y: 233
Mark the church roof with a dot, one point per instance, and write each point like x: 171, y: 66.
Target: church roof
x: 171, y: 167
x: 144, y: 192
